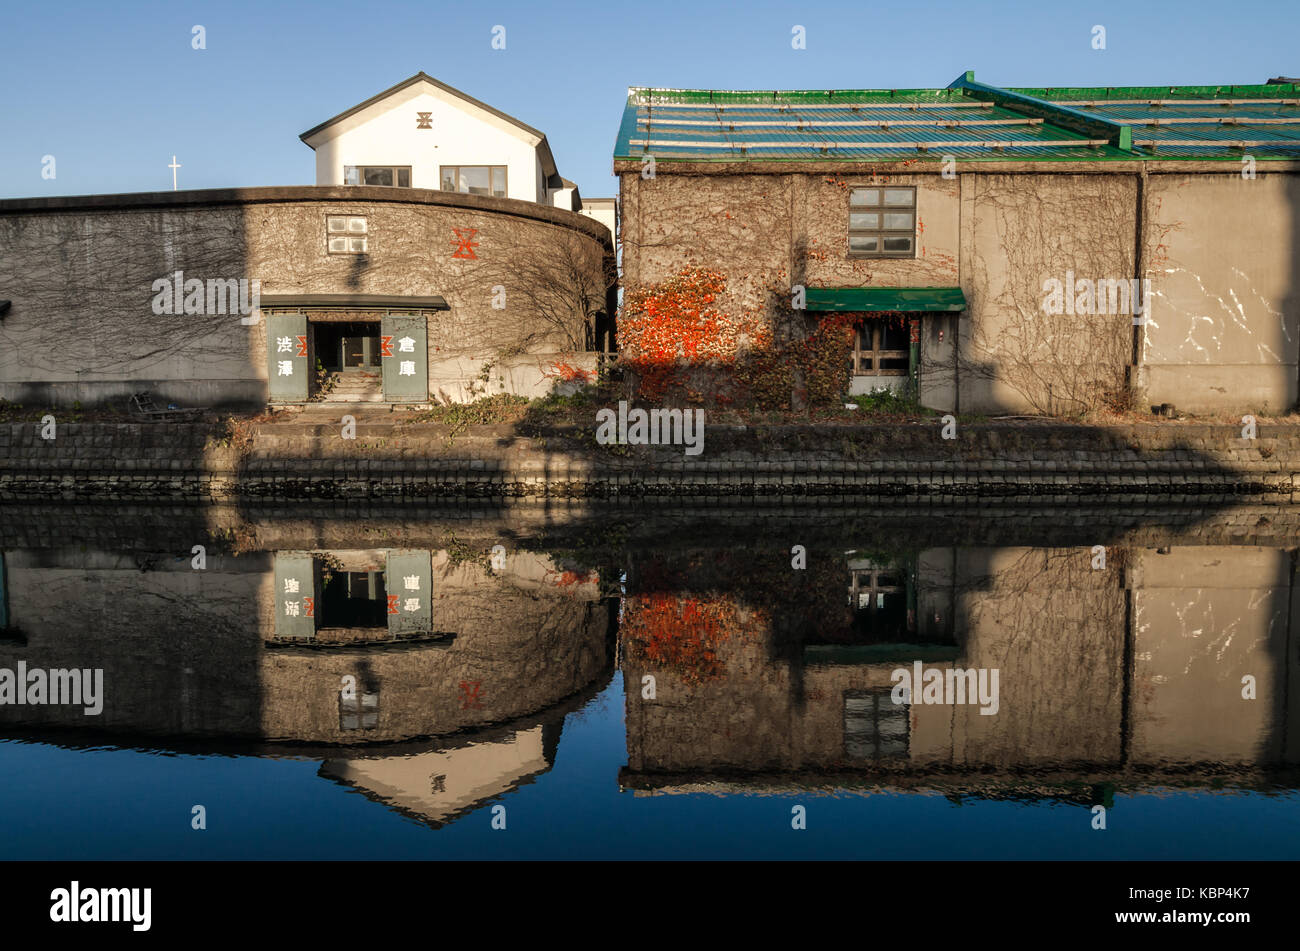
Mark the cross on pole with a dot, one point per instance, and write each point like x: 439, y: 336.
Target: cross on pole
x: 173, y: 166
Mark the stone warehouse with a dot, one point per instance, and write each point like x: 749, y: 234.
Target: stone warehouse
x: 990, y: 250
x: 439, y: 257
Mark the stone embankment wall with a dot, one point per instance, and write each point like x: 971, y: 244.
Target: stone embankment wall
x: 908, y: 463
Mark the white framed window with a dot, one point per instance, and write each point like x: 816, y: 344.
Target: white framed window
x: 392, y: 176
x: 347, y: 234
x: 475, y: 179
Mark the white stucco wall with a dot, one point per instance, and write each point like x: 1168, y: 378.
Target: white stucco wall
x: 387, y: 134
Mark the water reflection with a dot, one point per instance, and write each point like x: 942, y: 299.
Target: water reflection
x: 432, y: 676
x: 1120, y: 664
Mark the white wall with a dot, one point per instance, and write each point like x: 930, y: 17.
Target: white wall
x: 386, y: 134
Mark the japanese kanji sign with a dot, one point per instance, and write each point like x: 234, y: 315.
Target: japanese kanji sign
x: 404, y: 354
x: 408, y: 580
x: 286, y: 345
x: 295, y: 594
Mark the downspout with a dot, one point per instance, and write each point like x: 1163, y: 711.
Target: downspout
x: 1137, y: 378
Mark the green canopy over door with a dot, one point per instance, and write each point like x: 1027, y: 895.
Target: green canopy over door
x: 404, y: 353
x: 408, y: 580
x: 287, y: 360
x: 924, y: 299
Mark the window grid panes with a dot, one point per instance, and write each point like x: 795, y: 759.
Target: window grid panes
x: 882, y: 222
x: 346, y: 234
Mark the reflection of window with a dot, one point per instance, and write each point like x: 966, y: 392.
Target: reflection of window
x: 878, y: 597
x: 389, y: 175
x: 882, y: 222
x: 360, y: 712
x: 881, y: 347
x: 346, y: 234
x: 437, y: 784
x: 874, y: 726
x: 353, y: 599
x: 475, y: 179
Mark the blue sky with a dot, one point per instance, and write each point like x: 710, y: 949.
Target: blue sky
x: 112, y: 90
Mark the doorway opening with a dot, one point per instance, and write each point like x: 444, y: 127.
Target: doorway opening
x: 348, y: 353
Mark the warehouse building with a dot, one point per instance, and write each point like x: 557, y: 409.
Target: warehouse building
x: 991, y: 249
x: 439, y: 257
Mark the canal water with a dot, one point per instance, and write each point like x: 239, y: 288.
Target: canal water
x: 831, y: 684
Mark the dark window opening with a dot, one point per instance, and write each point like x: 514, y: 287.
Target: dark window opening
x: 343, y: 345
x: 353, y: 599
x: 881, y: 347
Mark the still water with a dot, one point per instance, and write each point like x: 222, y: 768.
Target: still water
x: 374, y: 686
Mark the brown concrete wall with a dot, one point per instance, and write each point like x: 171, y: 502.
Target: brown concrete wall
x: 1223, y: 254
x: 1019, y: 231
x: 81, y: 327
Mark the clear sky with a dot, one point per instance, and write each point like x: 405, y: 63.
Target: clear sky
x: 112, y: 90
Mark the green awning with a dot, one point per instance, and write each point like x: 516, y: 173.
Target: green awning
x: 932, y: 299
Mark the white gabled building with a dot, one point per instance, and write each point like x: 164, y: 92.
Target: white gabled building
x: 424, y: 134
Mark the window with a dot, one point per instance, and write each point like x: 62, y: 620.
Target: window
x: 475, y: 179
x: 346, y: 234
x: 874, y: 726
x: 881, y: 347
x: 882, y: 222
x: 360, y: 711
x: 878, y: 599
x: 390, y: 175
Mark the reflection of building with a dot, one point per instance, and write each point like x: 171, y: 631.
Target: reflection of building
x: 439, y: 785
x: 190, y: 652
x: 1114, y: 671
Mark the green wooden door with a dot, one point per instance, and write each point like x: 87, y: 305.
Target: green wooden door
x: 287, y: 360
x: 408, y: 580
x: 404, y: 352
x: 296, y: 594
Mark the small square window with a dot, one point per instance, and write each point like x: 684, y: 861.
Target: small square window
x: 882, y: 222
x: 346, y: 234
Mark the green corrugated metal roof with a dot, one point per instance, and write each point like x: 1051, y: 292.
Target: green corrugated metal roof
x: 968, y: 120
x: 932, y: 299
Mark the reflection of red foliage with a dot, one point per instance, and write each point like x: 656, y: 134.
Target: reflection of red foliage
x: 681, y: 634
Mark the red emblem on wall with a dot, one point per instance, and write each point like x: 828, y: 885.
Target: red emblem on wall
x: 310, y: 605
x: 470, y: 691
x: 392, y: 604
x: 302, y: 345
x: 386, y: 346
x: 466, y: 243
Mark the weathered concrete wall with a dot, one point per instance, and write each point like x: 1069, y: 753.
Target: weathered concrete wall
x: 1223, y: 254
x: 80, y: 275
x: 1019, y: 231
